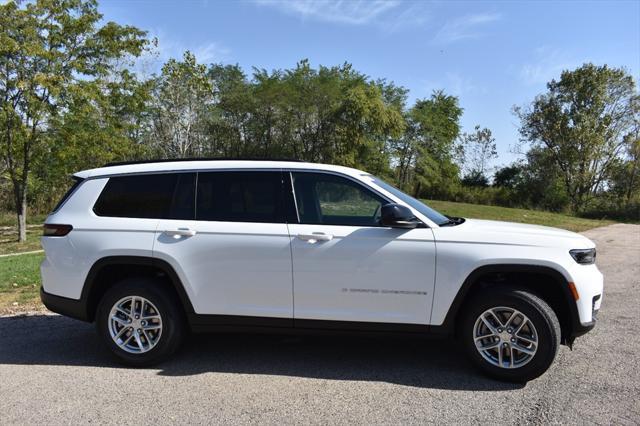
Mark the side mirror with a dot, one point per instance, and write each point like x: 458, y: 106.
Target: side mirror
x: 398, y: 216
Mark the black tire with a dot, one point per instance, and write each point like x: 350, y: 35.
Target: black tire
x: 539, y: 313
x: 173, y: 322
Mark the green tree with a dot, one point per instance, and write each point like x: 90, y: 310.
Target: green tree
x: 329, y: 114
x: 234, y: 121
x: 542, y: 184
x: 508, y: 176
x: 103, y: 121
x: 425, y: 153
x: 623, y: 184
x: 182, y: 99
x: 479, y: 148
x: 629, y: 181
x: 581, y: 122
x: 49, y: 48
x: 475, y: 178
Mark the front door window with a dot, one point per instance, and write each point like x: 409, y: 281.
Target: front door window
x: 326, y: 199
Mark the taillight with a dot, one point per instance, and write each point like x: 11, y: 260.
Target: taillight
x: 51, y: 230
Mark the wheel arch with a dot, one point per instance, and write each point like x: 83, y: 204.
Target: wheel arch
x: 544, y: 281
x: 108, y: 270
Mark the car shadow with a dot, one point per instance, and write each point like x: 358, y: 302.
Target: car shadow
x: 55, y: 340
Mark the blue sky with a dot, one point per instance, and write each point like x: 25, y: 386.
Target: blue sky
x: 492, y: 55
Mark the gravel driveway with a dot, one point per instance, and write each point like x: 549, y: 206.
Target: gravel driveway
x: 53, y: 370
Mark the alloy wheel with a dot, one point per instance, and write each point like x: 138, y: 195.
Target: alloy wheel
x: 135, y: 324
x: 505, y: 337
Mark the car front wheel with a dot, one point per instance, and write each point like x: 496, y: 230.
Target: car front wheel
x: 510, y: 335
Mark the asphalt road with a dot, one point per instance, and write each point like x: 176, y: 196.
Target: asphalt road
x: 53, y: 370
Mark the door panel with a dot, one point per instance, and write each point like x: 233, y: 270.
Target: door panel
x: 363, y: 274
x: 348, y: 268
x: 231, y: 268
x: 235, y: 258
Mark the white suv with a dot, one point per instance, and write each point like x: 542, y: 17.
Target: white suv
x: 151, y: 250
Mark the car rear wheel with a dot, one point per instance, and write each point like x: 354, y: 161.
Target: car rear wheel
x: 510, y: 334
x: 139, y: 322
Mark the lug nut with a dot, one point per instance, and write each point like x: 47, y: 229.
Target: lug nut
x: 505, y: 345
x: 509, y: 330
x: 513, y: 339
x: 143, y: 323
x: 139, y: 330
x: 500, y: 330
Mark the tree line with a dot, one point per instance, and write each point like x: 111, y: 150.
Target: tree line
x: 71, y: 100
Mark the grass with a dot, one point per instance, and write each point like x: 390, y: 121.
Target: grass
x: 20, y: 275
x: 20, y: 283
x: 352, y: 208
x: 9, y: 241
x: 476, y: 211
x: 9, y: 233
x: 9, y: 219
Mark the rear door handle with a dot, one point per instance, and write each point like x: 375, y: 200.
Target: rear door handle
x: 180, y: 232
x: 315, y: 237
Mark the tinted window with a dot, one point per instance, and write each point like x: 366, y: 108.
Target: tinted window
x: 76, y: 183
x: 240, y: 197
x: 333, y: 200
x: 183, y: 205
x: 435, y: 216
x: 159, y: 196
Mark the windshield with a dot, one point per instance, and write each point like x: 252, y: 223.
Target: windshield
x: 433, y: 215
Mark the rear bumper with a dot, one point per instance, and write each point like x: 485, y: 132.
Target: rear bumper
x: 61, y: 305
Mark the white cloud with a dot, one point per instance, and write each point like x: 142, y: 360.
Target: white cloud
x: 168, y: 48
x: 455, y: 84
x: 355, y: 12
x: 205, y: 52
x: 548, y: 64
x: 389, y: 15
x: 465, y: 27
x: 414, y: 16
x: 211, y: 52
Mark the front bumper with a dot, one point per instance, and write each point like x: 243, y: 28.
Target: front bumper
x: 61, y: 305
x: 581, y: 328
x: 589, y: 283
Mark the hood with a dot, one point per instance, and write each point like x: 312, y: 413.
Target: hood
x: 509, y: 233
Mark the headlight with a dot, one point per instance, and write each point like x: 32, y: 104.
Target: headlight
x: 584, y: 256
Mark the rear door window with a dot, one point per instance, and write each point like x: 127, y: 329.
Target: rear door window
x: 183, y: 205
x: 240, y: 197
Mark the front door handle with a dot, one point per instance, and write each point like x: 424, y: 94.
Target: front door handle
x: 315, y: 237
x: 180, y: 232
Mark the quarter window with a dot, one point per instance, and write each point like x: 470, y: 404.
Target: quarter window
x: 77, y: 182
x: 332, y: 200
x: 153, y: 196
x: 240, y: 197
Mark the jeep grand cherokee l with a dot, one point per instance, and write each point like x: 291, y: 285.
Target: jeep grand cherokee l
x: 149, y: 251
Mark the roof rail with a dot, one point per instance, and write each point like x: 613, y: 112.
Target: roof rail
x: 169, y: 160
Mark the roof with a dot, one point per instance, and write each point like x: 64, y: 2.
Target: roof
x: 217, y: 164
x: 168, y: 160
